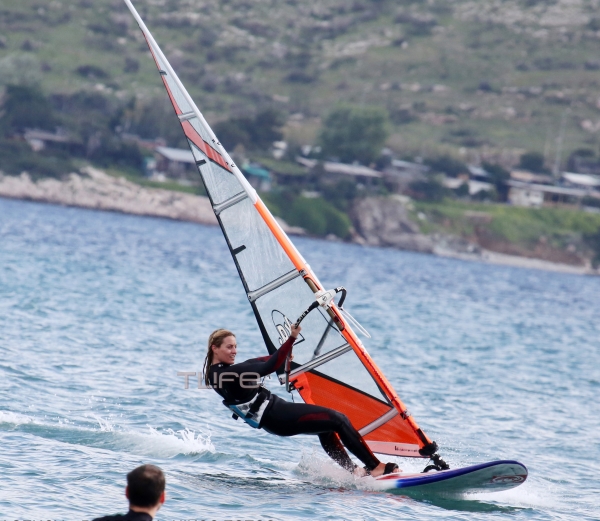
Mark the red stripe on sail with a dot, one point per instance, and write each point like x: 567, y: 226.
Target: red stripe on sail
x: 190, y: 132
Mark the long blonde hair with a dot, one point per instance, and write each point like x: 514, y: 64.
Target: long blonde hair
x: 215, y: 339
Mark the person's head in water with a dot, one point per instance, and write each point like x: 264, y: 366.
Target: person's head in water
x: 145, y: 489
x: 222, y: 347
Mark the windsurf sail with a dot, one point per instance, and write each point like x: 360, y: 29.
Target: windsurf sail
x: 331, y: 366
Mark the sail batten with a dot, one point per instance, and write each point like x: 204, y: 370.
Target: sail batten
x: 230, y: 202
x: 316, y: 362
x: 331, y: 366
x: 392, y: 413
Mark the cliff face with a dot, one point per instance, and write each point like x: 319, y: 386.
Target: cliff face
x: 384, y: 221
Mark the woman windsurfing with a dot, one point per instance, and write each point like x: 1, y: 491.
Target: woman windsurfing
x: 240, y: 388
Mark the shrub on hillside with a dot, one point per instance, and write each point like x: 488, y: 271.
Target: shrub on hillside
x: 25, y: 107
x: 256, y: 133
x: 534, y: 162
x: 354, y: 133
x: 317, y: 217
x: 17, y: 157
x: 429, y: 190
x: 447, y: 165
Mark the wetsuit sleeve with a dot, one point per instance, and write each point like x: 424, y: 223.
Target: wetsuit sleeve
x: 267, y: 364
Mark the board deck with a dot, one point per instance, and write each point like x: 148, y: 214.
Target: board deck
x: 485, y: 477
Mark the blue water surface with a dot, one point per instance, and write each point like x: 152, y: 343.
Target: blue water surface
x: 99, y: 311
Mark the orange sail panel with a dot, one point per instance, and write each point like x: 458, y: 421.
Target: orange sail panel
x: 331, y: 367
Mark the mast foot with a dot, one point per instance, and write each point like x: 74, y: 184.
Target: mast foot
x: 437, y: 463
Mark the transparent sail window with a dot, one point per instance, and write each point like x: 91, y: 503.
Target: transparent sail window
x: 263, y: 259
x: 349, y: 370
x: 281, y: 307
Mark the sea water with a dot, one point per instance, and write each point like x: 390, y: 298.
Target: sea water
x: 100, y: 311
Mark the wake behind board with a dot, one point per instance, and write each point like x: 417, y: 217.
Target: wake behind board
x: 485, y: 477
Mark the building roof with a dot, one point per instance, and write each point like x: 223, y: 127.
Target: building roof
x: 181, y: 155
x: 585, y: 180
x: 353, y: 170
x: 530, y: 177
x: 340, y: 168
x: 478, y: 171
x: 407, y: 165
x: 559, y: 190
x: 256, y: 171
x: 55, y: 137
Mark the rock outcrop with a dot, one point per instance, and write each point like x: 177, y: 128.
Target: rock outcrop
x: 384, y: 221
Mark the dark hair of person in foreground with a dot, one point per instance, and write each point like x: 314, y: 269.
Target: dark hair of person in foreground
x: 146, y: 493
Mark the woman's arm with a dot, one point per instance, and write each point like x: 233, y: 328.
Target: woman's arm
x: 268, y: 364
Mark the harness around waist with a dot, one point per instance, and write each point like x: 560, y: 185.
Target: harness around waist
x: 251, y: 412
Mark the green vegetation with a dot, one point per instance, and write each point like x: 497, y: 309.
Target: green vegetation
x: 286, y: 168
x: 18, y: 158
x: 448, y: 165
x: 354, y: 133
x: 533, y: 161
x: 313, y: 214
x: 449, y: 75
x: 257, y: 133
x: 25, y: 107
x: 520, y: 226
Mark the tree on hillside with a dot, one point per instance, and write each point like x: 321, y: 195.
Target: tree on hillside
x: 533, y: 161
x: 447, y: 165
x: 257, y: 133
x: 499, y: 177
x: 25, y: 107
x: 355, y: 133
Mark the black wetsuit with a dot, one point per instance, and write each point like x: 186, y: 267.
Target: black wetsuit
x: 288, y: 419
x: 130, y: 516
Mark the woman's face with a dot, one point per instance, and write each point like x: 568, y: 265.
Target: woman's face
x: 225, y: 353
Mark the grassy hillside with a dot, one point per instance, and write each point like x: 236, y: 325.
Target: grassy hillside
x: 557, y: 234
x: 481, y: 79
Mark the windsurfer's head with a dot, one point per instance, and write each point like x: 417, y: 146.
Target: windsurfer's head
x: 222, y: 348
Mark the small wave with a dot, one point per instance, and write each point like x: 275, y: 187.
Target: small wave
x: 153, y: 442
x: 14, y: 418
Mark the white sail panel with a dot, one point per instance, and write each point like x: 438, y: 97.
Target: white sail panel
x: 262, y: 259
x: 220, y: 184
x: 179, y: 98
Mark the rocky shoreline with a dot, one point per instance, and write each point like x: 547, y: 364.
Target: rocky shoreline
x: 382, y: 222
